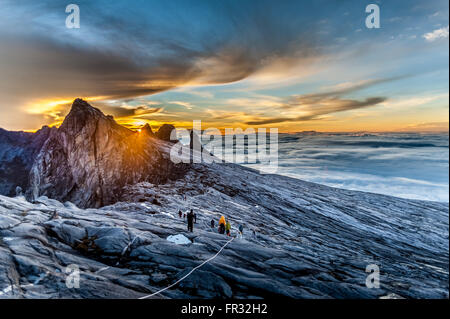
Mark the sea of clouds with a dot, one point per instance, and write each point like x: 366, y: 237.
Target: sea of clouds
x: 408, y: 165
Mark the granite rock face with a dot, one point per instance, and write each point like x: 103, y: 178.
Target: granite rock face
x: 311, y: 241
x: 87, y: 160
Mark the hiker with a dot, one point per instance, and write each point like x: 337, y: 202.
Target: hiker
x: 195, y: 218
x: 212, y: 223
x: 241, y: 230
x: 190, y: 220
x: 222, y: 225
x: 180, y: 213
x: 228, y: 228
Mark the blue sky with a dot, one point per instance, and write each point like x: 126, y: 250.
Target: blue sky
x: 295, y: 65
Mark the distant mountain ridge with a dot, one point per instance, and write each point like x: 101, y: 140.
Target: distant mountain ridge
x: 18, y: 151
x: 87, y: 160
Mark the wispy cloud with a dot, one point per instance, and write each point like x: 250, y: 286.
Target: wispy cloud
x: 326, y: 106
x: 246, y: 58
x: 441, y: 33
x: 309, y: 107
x: 187, y: 105
x: 427, y: 127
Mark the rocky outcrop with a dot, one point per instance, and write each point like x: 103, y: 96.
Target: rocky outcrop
x: 87, y: 160
x: 90, y: 158
x: 146, y: 129
x: 164, y: 133
x: 18, y: 151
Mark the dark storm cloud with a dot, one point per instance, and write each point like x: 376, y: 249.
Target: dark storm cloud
x: 54, y: 69
x: 124, y: 51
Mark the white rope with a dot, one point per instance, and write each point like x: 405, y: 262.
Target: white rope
x: 102, y: 269
x: 126, y: 248
x: 189, y: 273
x: 123, y: 253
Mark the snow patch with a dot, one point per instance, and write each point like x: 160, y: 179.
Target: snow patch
x: 167, y: 214
x: 179, y: 239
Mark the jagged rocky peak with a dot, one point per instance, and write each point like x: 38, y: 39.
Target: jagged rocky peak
x: 81, y: 105
x: 164, y: 132
x: 91, y: 158
x: 82, y: 110
x: 146, y: 129
x: 88, y: 160
x: 82, y: 115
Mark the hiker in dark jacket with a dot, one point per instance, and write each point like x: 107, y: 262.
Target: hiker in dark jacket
x: 180, y: 213
x: 241, y: 230
x: 190, y: 220
x: 195, y: 218
x: 212, y: 223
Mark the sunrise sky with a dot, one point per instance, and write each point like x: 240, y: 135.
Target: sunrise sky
x: 294, y: 65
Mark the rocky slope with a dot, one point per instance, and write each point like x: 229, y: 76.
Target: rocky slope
x: 312, y: 241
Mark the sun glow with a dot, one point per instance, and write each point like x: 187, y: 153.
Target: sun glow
x: 49, y: 106
x: 45, y: 106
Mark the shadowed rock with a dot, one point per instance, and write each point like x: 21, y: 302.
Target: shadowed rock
x: 18, y: 151
x: 164, y: 133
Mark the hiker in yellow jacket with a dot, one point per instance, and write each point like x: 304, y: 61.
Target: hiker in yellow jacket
x: 222, y: 225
